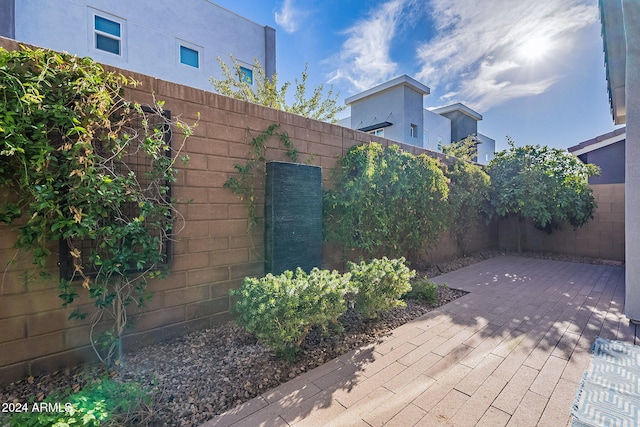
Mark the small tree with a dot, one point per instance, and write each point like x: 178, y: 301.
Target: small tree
x: 546, y: 185
x: 265, y: 91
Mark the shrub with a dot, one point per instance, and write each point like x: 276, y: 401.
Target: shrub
x: 280, y: 310
x: 424, y: 290
x: 380, y: 284
x: 386, y: 201
x: 264, y: 90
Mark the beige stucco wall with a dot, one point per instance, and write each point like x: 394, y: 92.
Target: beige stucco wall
x: 631, y: 18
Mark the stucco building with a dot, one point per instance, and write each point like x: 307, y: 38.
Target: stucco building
x: 621, y: 36
x: 607, y: 152
x: 173, y: 41
x: 395, y: 110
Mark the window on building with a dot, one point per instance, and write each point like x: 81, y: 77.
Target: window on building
x: 108, y: 35
x: 189, y: 57
x: 246, y: 75
x: 413, y: 130
x: 377, y: 132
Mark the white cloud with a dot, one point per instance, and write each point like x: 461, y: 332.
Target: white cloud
x: 364, y: 59
x: 479, y: 50
x: 288, y: 17
x: 489, y: 87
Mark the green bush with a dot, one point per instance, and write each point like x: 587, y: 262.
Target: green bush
x: 424, y: 290
x: 386, y: 202
x: 280, y: 310
x: 380, y: 284
x: 106, y: 402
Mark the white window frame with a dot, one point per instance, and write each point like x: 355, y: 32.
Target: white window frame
x: 94, y: 33
x: 377, y: 132
x: 183, y: 43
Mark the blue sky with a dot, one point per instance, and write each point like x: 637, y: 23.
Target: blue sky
x: 533, y: 69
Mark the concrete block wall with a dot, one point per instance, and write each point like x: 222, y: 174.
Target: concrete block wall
x: 602, y: 237
x: 480, y: 237
x: 213, y: 252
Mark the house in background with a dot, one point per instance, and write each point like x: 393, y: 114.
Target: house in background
x: 395, y: 110
x: 607, y: 152
x: 463, y: 123
x: 173, y: 41
x: 621, y: 38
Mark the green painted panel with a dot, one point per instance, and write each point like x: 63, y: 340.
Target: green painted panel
x: 293, y: 217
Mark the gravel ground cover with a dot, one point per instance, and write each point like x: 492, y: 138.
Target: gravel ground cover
x: 208, y: 372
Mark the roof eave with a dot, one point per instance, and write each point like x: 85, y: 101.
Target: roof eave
x: 613, y: 38
x: 403, y: 80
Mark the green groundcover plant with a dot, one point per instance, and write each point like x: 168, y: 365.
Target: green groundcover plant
x: 105, y: 402
x: 423, y: 289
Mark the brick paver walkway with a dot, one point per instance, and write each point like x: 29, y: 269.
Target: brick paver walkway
x: 510, y: 353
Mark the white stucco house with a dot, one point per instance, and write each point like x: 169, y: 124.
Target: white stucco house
x: 621, y: 37
x: 395, y: 110
x: 170, y: 40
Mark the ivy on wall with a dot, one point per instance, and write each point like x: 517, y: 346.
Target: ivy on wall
x: 66, y: 135
x: 251, y: 172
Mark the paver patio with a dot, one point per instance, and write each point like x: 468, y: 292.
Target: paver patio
x: 509, y: 353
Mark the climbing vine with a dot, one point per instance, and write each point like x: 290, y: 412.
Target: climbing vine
x: 67, y: 138
x: 244, y: 184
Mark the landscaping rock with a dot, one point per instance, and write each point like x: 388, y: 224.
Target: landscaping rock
x: 205, y: 373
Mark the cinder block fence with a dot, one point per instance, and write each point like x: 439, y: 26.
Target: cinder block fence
x: 602, y: 237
